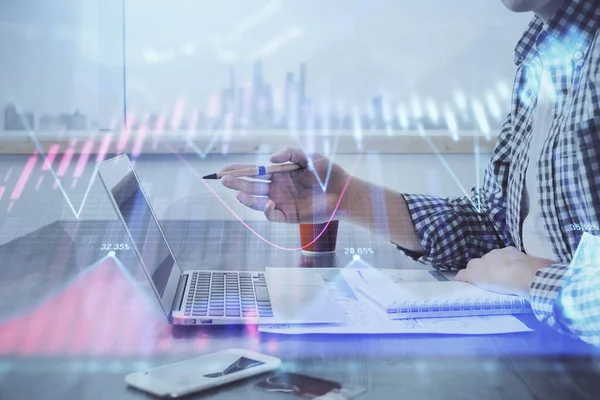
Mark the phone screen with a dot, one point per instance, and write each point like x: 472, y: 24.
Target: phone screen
x: 299, y: 385
x: 189, y: 372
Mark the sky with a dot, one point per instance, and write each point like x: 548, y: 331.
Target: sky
x: 62, y: 56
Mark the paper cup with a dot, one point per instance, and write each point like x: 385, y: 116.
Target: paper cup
x: 325, y: 243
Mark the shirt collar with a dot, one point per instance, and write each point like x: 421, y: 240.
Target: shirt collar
x: 572, y: 28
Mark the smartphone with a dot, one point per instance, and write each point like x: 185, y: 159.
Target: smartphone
x: 305, y: 386
x: 201, y: 373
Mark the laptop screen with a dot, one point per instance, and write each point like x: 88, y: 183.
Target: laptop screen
x: 145, y: 233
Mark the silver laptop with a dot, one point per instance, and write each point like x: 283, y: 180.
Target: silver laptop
x: 198, y: 296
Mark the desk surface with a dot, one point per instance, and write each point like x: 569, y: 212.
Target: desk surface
x: 73, y: 323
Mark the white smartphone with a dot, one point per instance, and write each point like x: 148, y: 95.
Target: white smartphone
x: 201, y: 373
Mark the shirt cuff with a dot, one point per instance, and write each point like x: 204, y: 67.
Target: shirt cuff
x: 423, y: 210
x: 545, y: 290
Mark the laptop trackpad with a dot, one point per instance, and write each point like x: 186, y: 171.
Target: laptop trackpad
x: 305, y: 303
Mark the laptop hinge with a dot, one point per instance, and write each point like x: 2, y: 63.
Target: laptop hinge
x: 180, y: 292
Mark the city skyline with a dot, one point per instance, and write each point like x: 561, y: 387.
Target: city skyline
x: 256, y: 105
x: 82, y: 58
x: 21, y: 120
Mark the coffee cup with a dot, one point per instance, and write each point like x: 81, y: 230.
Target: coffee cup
x: 319, y: 238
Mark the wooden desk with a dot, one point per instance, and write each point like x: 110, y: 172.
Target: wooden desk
x: 73, y: 323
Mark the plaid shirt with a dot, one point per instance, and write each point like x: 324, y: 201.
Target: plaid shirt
x: 455, y: 230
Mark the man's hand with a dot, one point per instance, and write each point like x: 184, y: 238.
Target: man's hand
x: 506, y: 270
x: 292, y: 197
x: 297, y: 197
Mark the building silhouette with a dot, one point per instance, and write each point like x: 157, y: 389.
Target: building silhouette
x: 16, y: 120
x: 78, y: 122
x: 253, y: 106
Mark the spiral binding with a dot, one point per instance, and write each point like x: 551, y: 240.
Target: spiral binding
x: 459, y: 307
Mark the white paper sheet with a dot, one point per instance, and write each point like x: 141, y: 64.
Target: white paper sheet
x: 362, y: 317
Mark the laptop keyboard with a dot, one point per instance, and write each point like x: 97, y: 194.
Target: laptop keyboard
x: 228, y: 294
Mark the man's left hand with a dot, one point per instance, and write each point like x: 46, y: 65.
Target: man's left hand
x: 506, y: 270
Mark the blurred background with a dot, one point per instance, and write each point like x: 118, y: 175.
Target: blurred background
x: 186, y: 87
x: 252, y: 58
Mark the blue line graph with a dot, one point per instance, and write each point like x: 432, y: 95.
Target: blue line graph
x: 76, y: 211
x: 323, y: 183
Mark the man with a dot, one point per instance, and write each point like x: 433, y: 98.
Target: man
x: 542, y: 181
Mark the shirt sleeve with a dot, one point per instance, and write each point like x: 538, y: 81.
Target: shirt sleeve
x: 568, y: 299
x: 454, y: 230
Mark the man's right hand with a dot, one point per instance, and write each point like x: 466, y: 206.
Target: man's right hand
x: 292, y: 197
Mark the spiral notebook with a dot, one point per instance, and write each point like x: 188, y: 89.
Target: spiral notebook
x: 406, y: 300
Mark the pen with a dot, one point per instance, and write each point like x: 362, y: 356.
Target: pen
x: 254, y: 171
